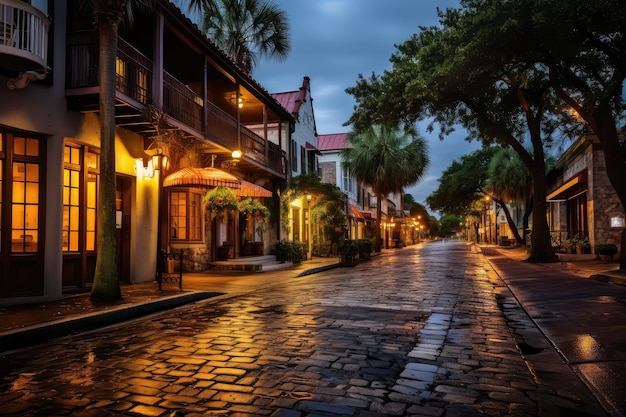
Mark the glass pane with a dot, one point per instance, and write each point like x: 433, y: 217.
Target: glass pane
x: 18, y: 218
x: 73, y: 241
x: 75, y: 177
x: 66, y: 154
x: 91, y: 194
x: 32, y: 217
x: 30, y: 243
x: 75, y: 159
x: 18, y: 192
x: 92, y: 160
x: 32, y: 172
x: 74, y: 217
x: 19, y: 145
x: 74, y: 194
x: 19, y: 171
x: 32, y: 147
x: 32, y: 192
x: 91, y: 219
x: 1, y: 141
x: 91, y: 241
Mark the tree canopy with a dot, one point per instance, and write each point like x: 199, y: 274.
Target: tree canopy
x: 502, y: 70
x: 247, y: 30
x: 387, y: 159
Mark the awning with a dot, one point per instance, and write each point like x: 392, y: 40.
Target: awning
x: 356, y: 213
x: 208, y: 177
x: 249, y: 189
x: 570, y: 188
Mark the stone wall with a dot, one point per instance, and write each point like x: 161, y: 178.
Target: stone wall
x: 605, y: 205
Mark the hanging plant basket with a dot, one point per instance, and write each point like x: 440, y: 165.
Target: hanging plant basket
x: 220, y: 201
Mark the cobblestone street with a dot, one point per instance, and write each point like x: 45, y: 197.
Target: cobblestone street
x: 419, y: 332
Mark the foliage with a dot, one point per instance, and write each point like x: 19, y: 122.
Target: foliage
x: 386, y: 158
x: 254, y: 208
x: 462, y: 183
x: 606, y: 249
x: 288, y: 251
x: 220, y: 201
x: 467, y: 72
x: 581, y: 244
x: 327, y: 204
x: 450, y: 225
x: 248, y: 29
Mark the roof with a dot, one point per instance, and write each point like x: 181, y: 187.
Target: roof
x: 332, y: 141
x: 289, y: 100
x: 292, y: 100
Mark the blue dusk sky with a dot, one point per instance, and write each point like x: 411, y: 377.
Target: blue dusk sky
x: 332, y: 41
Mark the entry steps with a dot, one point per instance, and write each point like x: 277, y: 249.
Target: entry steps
x: 252, y: 263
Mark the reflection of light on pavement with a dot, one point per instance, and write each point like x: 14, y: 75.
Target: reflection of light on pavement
x: 587, y: 347
x: 22, y: 381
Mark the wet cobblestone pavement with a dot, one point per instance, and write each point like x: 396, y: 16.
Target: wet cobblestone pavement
x: 428, y: 331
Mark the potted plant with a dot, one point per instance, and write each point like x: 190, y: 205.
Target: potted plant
x: 606, y: 251
x: 582, y: 246
x: 220, y: 201
x: 569, y: 245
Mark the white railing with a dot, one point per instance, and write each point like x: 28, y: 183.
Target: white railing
x: 24, y: 31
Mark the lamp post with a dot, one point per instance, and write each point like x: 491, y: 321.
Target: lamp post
x: 310, y: 237
x: 160, y: 163
x: 487, y: 198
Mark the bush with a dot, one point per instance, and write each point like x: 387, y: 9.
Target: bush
x: 287, y: 251
x: 606, y: 249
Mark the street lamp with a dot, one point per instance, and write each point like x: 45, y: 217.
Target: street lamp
x: 487, y: 198
x: 308, y: 201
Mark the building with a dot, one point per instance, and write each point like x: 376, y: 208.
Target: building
x: 582, y: 201
x: 303, y: 146
x: 179, y: 99
x: 361, y: 203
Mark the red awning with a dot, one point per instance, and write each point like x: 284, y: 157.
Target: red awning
x: 249, y: 189
x: 208, y: 177
x: 356, y: 213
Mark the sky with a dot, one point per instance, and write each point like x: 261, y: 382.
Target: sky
x: 333, y: 41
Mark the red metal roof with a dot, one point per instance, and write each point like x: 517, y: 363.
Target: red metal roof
x: 288, y: 100
x: 332, y: 141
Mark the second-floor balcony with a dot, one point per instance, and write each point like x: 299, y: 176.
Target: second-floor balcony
x: 200, y: 117
x: 23, y: 37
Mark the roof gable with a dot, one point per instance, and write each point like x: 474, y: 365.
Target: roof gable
x: 333, y: 141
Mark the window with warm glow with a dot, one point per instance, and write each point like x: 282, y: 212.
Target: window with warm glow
x: 80, y: 190
x: 185, y: 215
x: 26, y: 193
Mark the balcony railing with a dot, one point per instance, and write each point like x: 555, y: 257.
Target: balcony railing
x: 135, y: 80
x: 24, y: 32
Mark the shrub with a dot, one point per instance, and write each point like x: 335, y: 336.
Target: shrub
x: 606, y: 249
x: 287, y: 251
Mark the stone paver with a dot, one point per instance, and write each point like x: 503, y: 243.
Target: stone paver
x: 417, y: 332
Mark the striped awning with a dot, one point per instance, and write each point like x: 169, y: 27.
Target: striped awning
x: 208, y: 177
x: 249, y: 189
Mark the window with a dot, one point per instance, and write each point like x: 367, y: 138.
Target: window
x: 294, y: 155
x: 185, y: 215
x: 80, y: 191
x: 303, y: 160
x: 347, y: 180
x: 22, y: 194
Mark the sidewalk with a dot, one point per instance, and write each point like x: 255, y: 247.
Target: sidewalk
x: 24, y: 325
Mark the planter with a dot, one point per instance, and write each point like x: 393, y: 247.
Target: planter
x: 606, y: 257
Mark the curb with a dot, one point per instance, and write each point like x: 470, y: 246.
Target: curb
x: 315, y: 270
x: 37, y: 334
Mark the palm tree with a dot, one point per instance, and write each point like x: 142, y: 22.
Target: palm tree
x: 509, y: 180
x: 247, y: 30
x: 108, y: 15
x: 386, y: 158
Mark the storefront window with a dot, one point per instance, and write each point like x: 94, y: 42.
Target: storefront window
x: 185, y: 215
x: 80, y: 188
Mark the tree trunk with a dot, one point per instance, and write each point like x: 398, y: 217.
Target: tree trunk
x: 541, y: 241
x: 106, y: 284
x: 379, y: 213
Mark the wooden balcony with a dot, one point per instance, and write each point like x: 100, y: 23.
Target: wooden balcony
x: 23, y: 37
x: 187, y: 110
